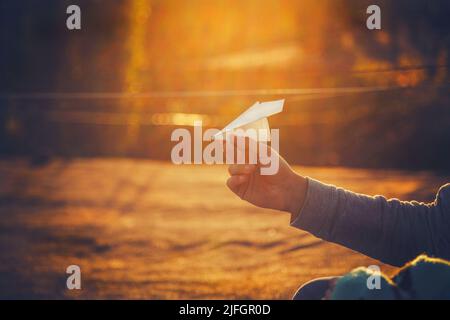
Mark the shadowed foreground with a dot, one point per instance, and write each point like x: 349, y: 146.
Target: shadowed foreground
x: 151, y: 230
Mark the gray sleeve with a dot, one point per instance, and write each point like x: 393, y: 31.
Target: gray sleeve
x: 392, y: 231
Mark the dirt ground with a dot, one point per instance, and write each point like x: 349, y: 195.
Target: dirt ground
x: 151, y: 230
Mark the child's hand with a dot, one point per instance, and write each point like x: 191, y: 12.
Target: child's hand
x: 283, y: 191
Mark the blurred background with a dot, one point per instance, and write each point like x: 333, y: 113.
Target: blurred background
x: 86, y: 118
x: 139, y: 68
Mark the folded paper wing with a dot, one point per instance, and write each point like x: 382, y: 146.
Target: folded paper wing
x: 254, y: 118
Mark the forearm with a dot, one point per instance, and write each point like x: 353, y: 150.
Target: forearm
x: 389, y: 230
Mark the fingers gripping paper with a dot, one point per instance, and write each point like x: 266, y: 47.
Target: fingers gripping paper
x: 254, y: 118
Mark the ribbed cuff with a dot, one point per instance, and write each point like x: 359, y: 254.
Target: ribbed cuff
x: 319, y: 201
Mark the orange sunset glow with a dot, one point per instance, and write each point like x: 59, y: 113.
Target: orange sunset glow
x: 86, y: 118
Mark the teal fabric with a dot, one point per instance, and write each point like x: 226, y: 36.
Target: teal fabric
x: 424, y: 278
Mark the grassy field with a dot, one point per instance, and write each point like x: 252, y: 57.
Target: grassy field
x: 152, y: 230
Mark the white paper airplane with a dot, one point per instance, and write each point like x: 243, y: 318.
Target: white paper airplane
x: 254, y: 118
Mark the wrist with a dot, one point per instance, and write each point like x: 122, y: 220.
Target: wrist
x: 297, y: 194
